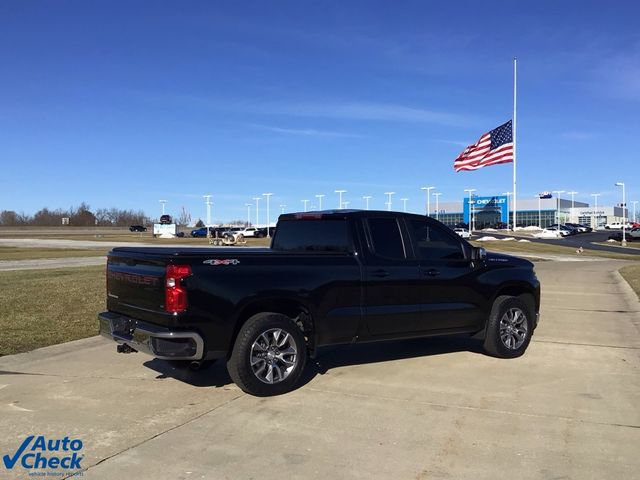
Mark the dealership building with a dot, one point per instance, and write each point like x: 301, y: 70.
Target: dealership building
x: 539, y: 211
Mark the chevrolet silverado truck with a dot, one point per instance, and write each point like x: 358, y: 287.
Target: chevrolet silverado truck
x: 331, y: 277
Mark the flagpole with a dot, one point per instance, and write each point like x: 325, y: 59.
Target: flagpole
x: 515, y: 210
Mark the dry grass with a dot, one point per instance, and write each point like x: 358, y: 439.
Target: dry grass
x: 47, y: 307
x: 546, y: 248
x: 22, y: 253
x: 632, y: 275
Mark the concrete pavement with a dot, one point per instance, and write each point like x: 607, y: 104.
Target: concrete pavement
x: 423, y: 409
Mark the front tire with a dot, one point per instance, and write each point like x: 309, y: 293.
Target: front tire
x: 269, y: 355
x: 509, y: 327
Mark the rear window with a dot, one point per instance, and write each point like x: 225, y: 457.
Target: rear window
x: 312, y: 236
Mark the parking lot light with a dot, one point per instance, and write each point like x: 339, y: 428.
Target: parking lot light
x: 428, y: 205
x: 437, y: 195
x: 257, y: 199
x: 558, y: 192
x: 595, y: 211
x: 268, y: 195
x: 305, y: 202
x: 319, y: 197
x: 340, y: 192
x: 624, y: 215
x: 389, y: 202
x: 366, y: 200
x: 572, y: 193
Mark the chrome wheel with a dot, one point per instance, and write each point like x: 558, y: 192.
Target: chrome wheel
x: 514, y: 328
x: 273, y: 355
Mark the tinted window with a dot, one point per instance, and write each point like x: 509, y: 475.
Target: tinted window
x: 386, y: 238
x: 435, y: 243
x: 312, y: 236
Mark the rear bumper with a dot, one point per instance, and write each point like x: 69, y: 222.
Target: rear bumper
x: 154, y: 340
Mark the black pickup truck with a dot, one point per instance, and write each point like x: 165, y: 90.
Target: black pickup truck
x: 331, y: 277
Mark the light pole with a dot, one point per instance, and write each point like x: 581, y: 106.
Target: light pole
x: 558, y: 192
x: 319, y: 197
x: 595, y: 211
x: 366, y: 199
x: 305, y: 202
x: 282, y: 207
x: 428, y: 205
x: 635, y: 219
x: 162, y: 202
x: 572, y: 193
x: 437, y: 195
x: 389, y: 202
x: 268, y: 195
x: 340, y: 192
x: 248, y: 205
x: 207, y: 202
x: 539, y: 212
x: 257, y: 199
x: 508, y: 195
x: 470, y: 191
x: 404, y: 204
x: 346, y: 204
x: 624, y: 214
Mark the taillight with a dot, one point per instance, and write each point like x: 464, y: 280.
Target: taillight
x: 175, y: 294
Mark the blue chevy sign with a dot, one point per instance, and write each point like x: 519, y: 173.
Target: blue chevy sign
x: 497, y: 203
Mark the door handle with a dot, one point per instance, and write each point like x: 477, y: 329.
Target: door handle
x: 431, y: 272
x: 380, y: 273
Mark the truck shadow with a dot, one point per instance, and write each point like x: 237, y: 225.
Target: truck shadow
x: 329, y: 358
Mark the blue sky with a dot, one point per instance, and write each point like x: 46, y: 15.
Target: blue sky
x: 124, y: 103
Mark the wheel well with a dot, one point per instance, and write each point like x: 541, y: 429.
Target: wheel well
x: 292, y: 309
x: 518, y: 291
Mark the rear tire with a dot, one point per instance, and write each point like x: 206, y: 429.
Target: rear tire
x: 509, y: 327
x: 269, y: 355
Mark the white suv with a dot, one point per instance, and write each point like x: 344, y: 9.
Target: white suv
x: 249, y: 232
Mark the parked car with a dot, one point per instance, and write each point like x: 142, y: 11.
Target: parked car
x: 249, y: 231
x: 565, y: 230
x: 262, y: 232
x: 579, y: 227
x: 632, y: 235
x: 332, y: 278
x: 137, y: 228
x: 547, y: 233
x: 166, y: 220
x: 462, y: 232
x: 617, y: 225
x: 199, y: 232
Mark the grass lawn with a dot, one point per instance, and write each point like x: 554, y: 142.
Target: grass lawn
x: 47, y: 307
x: 22, y: 253
x: 632, y: 275
x: 532, y: 248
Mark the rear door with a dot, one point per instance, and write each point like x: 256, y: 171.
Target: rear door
x: 391, y: 280
x: 448, y: 295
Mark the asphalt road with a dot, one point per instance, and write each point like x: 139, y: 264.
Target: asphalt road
x: 584, y: 240
x: 421, y: 409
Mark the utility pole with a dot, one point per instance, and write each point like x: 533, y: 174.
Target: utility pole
x: 319, y: 197
x: 624, y: 214
x: 595, y: 224
x: 268, y: 195
x: 257, y: 199
x: 404, y: 204
x: 428, y: 205
x: 572, y: 193
x: 437, y: 195
x: 340, y: 192
x: 366, y: 199
x: 389, y: 202
x: 248, y: 205
x: 470, y: 191
x: 305, y: 202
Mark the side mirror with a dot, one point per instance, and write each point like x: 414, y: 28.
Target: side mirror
x: 478, y: 253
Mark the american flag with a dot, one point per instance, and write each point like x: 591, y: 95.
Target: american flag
x: 494, y: 147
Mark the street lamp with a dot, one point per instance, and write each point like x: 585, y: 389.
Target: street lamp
x: 389, y: 202
x: 572, y: 193
x: 319, y: 197
x: 305, y: 202
x: 595, y: 212
x: 428, y: 205
x: 539, y: 212
x: 635, y: 219
x: 207, y: 202
x: 558, y: 192
x: 624, y: 214
x: 282, y: 207
x: 366, y: 199
x: 257, y: 199
x: 162, y: 202
x: 404, y: 204
x: 340, y: 192
x: 248, y: 205
x: 437, y: 195
x: 268, y: 195
x: 470, y: 191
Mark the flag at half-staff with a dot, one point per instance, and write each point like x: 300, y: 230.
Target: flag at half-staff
x: 493, y: 148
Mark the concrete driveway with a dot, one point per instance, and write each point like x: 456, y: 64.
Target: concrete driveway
x: 423, y: 409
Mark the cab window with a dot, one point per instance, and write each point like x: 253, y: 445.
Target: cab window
x: 386, y: 238
x: 434, y: 243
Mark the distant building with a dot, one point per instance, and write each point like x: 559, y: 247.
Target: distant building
x: 493, y: 210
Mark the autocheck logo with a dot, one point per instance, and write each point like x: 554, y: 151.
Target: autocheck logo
x: 38, y: 453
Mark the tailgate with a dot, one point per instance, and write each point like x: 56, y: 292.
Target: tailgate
x: 135, y: 283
